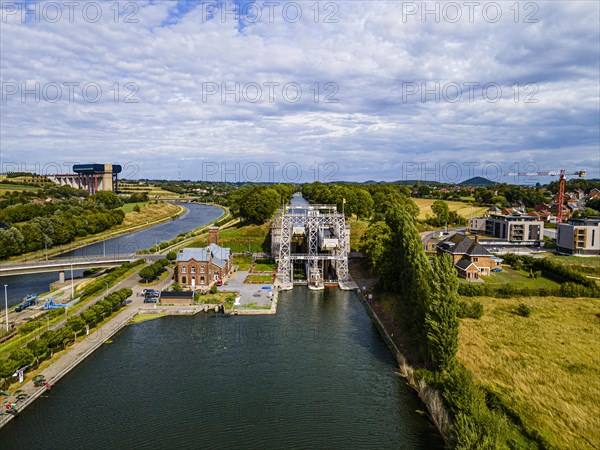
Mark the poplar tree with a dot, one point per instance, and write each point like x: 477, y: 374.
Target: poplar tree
x: 441, y: 322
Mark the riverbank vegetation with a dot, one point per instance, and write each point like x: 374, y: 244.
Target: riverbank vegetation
x: 421, y: 297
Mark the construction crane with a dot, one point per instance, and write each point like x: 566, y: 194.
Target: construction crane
x: 562, y: 174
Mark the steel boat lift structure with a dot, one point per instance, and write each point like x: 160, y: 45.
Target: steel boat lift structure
x: 316, y: 236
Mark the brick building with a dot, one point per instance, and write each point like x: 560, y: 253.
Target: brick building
x: 471, y: 259
x: 200, y: 267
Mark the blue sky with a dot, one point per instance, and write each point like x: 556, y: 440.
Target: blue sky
x: 298, y: 91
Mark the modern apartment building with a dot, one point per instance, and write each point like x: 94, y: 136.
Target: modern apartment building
x: 579, y: 237
x: 515, y: 228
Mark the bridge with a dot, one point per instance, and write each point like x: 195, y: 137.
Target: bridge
x: 63, y: 264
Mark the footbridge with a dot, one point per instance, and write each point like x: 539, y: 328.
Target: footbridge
x: 63, y: 264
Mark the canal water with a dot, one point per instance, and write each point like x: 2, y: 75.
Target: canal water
x: 315, y: 375
x: 196, y: 216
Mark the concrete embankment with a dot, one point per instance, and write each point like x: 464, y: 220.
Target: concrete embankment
x: 80, y: 350
x: 431, y: 398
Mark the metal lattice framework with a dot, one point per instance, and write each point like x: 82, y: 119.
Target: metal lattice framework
x: 313, y: 220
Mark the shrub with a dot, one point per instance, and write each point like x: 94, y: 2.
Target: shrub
x: 28, y: 327
x: 523, y: 310
x: 470, y: 309
x: 213, y: 289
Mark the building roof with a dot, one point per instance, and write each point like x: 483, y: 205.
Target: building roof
x: 464, y: 264
x: 219, y: 254
x: 461, y: 244
x: 175, y: 294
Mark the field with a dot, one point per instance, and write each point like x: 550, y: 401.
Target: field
x: 148, y: 213
x: 463, y: 209
x: 243, y: 237
x: 544, y: 367
x: 243, y: 262
x: 128, y: 207
x: 519, y: 279
x: 17, y: 187
x: 153, y: 191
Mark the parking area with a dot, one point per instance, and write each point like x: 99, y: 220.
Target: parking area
x: 251, y: 294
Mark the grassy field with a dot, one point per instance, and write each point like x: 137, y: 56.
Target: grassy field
x: 17, y: 187
x: 518, y: 278
x: 544, y: 367
x: 128, y: 207
x: 153, y: 191
x: 243, y: 237
x: 260, y: 279
x: 148, y: 213
x: 264, y: 265
x: 243, y: 261
x: 463, y: 209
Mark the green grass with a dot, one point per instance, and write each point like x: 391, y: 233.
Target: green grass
x: 264, y: 265
x: 264, y: 279
x: 254, y: 305
x: 216, y: 299
x: 243, y: 262
x: 144, y: 317
x: 128, y: 207
x: 241, y: 237
x: 17, y: 187
x: 543, y: 367
x: 518, y: 278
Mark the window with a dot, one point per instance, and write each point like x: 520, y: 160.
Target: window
x: 202, y: 269
x: 183, y: 270
x: 475, y: 259
x: 193, y: 269
x: 183, y: 280
x: 593, y: 236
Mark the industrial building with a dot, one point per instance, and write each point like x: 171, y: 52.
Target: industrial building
x: 579, y: 237
x: 310, y: 244
x: 90, y: 177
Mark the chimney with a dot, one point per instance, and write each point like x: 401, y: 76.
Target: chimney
x: 213, y: 235
x: 476, y: 238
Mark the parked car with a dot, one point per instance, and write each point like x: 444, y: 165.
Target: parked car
x: 497, y: 269
x: 152, y: 293
x: 219, y: 283
x: 151, y: 300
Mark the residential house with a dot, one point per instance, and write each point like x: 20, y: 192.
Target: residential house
x: 471, y: 259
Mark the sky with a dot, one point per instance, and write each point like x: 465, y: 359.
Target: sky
x: 302, y: 91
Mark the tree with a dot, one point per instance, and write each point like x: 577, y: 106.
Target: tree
x: 136, y: 208
x: 374, y: 241
x: 147, y: 273
x: 423, y: 190
x: 176, y: 287
x: 441, y: 321
x: 106, y: 199
x: 76, y: 323
x: 441, y: 212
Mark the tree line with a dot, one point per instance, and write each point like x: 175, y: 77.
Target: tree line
x: 258, y: 203
x: 35, y: 226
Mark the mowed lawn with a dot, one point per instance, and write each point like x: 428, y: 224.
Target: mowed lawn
x: 4, y: 188
x: 241, y: 237
x: 463, y: 209
x: 545, y: 367
x: 518, y: 278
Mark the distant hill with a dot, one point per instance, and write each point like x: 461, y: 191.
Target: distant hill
x: 477, y: 181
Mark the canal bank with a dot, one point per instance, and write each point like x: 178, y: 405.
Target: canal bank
x: 316, y: 374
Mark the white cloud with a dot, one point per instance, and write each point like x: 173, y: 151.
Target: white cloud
x: 368, y: 54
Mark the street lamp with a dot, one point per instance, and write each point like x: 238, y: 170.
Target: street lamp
x: 72, y: 283
x: 6, y: 305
